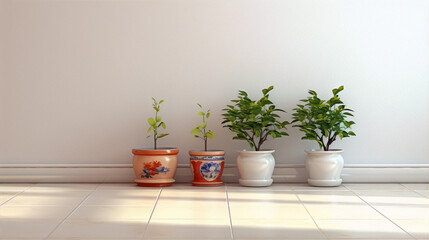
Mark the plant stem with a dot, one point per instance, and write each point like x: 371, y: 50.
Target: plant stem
x: 330, y: 141
x: 155, y: 137
x: 251, y: 138
x: 254, y: 142
x: 204, y: 134
x: 262, y: 139
x: 323, y: 143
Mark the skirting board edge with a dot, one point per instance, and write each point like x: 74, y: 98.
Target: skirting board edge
x: 283, y: 173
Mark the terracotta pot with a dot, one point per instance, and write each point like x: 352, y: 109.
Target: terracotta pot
x: 207, y: 167
x: 155, y: 168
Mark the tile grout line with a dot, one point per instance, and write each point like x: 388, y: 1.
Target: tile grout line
x: 151, y: 213
x: 229, y: 212
x: 317, y: 225
x: 14, y: 196
x: 74, y: 210
x: 390, y: 220
x: 413, y: 190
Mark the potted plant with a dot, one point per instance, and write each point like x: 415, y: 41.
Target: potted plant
x: 324, y: 121
x: 255, y: 121
x: 155, y: 167
x: 207, y: 165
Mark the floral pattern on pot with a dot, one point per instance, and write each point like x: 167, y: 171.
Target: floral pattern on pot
x: 153, y: 168
x: 210, y: 170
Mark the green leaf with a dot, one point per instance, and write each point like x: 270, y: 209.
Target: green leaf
x: 265, y: 91
x: 210, y: 134
x: 312, y: 92
x: 163, y: 125
x: 158, y: 119
x: 199, y: 105
x: 201, y: 113
x: 250, y: 143
x: 208, y: 115
x: 195, y: 131
x: 253, y: 119
x: 150, y: 129
x: 335, y: 91
x: 318, y: 118
x: 163, y: 135
x: 243, y: 93
x: 161, y: 101
x: 151, y: 121
x: 203, y: 125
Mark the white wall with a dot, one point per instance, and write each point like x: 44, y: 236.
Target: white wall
x: 77, y: 77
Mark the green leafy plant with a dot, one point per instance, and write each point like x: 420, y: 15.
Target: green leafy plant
x: 201, y: 130
x: 323, y: 121
x: 254, y: 121
x: 156, y: 123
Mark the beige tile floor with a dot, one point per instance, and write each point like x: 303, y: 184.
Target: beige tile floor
x: 282, y: 211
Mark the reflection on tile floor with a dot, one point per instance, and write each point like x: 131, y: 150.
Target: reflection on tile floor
x: 282, y: 211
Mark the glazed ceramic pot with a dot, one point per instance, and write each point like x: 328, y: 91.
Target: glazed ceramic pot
x: 207, y: 167
x: 324, y: 167
x: 255, y: 168
x: 155, y: 168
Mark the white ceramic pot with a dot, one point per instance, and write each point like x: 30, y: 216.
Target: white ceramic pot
x: 255, y: 168
x: 324, y: 167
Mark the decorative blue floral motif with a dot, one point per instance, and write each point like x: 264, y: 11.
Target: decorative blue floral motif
x: 145, y: 174
x: 162, y: 169
x: 210, y: 170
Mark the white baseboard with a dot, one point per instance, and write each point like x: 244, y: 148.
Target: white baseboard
x: 283, y: 173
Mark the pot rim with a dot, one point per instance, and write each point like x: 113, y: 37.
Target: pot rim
x: 256, y: 152
x: 206, y: 153
x: 320, y: 151
x: 158, y: 151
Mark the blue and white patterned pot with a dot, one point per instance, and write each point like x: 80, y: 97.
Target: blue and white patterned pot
x: 207, y: 167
